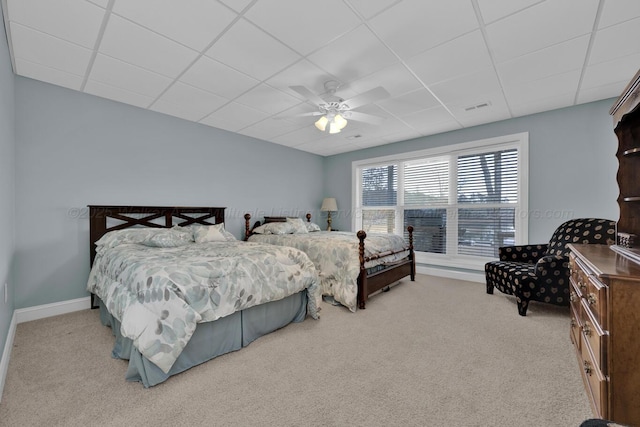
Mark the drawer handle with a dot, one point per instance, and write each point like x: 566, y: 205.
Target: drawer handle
x: 574, y: 323
x: 581, y: 285
x: 573, y: 297
x: 587, y: 368
x: 592, y: 299
x: 586, y: 330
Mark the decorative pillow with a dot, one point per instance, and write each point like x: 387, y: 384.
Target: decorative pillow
x: 311, y: 226
x: 168, y: 239
x: 211, y: 233
x: 298, y: 225
x: 274, y: 228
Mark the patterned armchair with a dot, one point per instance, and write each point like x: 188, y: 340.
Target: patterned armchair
x: 541, y: 272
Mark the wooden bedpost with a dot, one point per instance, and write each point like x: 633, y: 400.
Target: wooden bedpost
x: 308, y: 217
x: 247, y: 228
x: 413, y: 258
x: 362, y: 277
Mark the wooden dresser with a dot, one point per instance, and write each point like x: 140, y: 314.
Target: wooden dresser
x: 605, y: 330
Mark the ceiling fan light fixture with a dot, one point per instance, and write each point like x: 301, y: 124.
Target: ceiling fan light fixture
x: 321, y: 123
x: 340, y: 121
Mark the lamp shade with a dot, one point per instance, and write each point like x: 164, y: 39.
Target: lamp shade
x: 329, y: 204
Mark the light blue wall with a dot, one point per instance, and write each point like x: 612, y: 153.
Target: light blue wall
x: 572, y: 165
x: 75, y: 149
x: 7, y: 185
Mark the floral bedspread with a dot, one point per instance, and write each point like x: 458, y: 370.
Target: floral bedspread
x: 160, y: 294
x: 335, y: 255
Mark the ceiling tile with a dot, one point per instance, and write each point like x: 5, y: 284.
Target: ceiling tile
x: 559, y: 84
x: 123, y: 75
x: 286, y: 20
x: 217, y: 78
x: 237, y: 5
x: 546, y: 62
x: 492, y: 10
x: 409, y: 103
x: 117, y: 94
x: 413, y: 26
x: 476, y: 113
x: 300, y: 136
x: 40, y: 48
x: 48, y: 75
x: 234, y: 117
x: 604, y: 73
x: 540, y: 26
x: 191, y: 103
x: 616, y: 41
x: 267, y: 99
x: 248, y: 49
x: 353, y: 56
x: 370, y: 8
x: 541, y: 105
x: 424, y: 119
x: 609, y: 90
x: 207, y: 19
x: 131, y: 43
x: 302, y: 73
x: 102, y: 3
x: 472, y: 86
x: 617, y: 11
x: 71, y: 20
x: 396, y: 79
x: 271, y: 127
x: 463, y: 55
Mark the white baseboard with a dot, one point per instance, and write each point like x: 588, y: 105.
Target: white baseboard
x: 451, y: 274
x: 6, y: 354
x: 48, y: 310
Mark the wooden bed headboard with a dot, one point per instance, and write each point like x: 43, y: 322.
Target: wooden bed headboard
x: 248, y: 229
x: 147, y: 216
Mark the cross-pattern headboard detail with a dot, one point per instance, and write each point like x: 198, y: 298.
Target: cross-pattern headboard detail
x: 147, y: 216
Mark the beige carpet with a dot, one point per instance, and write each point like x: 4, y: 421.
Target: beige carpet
x: 437, y: 352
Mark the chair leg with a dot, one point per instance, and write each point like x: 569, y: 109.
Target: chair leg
x: 522, y: 306
x: 490, y: 288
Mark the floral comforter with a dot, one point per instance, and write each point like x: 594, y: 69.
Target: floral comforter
x: 335, y: 255
x: 160, y: 294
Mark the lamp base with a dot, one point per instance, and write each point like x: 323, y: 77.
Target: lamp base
x: 329, y: 221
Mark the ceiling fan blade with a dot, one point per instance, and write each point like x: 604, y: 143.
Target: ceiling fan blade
x: 366, y: 118
x: 308, y: 94
x: 367, y: 97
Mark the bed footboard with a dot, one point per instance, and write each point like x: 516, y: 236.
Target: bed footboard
x: 370, y: 283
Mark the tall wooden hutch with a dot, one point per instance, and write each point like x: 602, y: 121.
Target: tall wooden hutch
x: 605, y: 286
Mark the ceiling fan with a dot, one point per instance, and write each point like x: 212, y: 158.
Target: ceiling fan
x: 335, y: 111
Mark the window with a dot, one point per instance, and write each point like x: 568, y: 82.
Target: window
x: 463, y: 201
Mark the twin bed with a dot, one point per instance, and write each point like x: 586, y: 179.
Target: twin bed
x: 177, y: 289
x: 349, y: 270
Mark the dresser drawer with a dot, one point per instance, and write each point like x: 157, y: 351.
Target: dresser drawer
x: 596, y: 298
x: 576, y: 328
x: 579, y: 275
x: 595, y: 382
x: 595, y: 337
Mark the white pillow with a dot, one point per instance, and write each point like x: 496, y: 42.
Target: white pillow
x: 274, y: 228
x: 311, y: 226
x: 298, y: 225
x: 211, y: 233
x: 168, y: 239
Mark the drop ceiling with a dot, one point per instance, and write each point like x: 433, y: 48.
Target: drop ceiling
x: 229, y: 64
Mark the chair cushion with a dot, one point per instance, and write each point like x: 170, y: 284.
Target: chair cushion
x: 581, y: 230
x: 510, y: 277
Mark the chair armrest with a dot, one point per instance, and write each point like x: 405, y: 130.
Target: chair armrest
x: 522, y: 253
x: 552, y: 263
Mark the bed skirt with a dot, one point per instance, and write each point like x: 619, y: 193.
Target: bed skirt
x: 210, y: 339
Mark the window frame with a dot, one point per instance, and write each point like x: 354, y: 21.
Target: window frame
x: 450, y: 259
